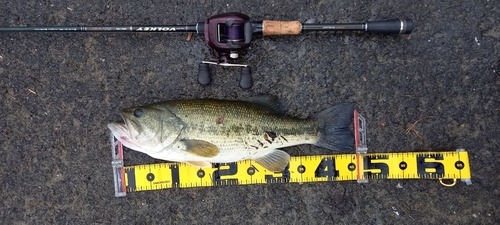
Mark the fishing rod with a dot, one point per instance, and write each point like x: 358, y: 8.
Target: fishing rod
x: 230, y: 33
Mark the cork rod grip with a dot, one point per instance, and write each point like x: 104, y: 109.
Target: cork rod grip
x: 272, y: 27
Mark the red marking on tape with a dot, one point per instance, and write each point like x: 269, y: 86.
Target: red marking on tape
x: 120, y: 150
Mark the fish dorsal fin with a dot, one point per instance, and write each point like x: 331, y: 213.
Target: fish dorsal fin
x: 201, y: 148
x: 202, y: 164
x: 269, y: 102
x: 276, y: 161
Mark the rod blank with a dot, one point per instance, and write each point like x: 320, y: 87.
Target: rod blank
x: 169, y: 28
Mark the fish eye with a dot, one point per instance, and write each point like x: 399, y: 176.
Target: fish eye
x: 138, y: 113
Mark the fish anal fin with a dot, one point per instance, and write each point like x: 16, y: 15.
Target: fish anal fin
x: 202, y: 164
x: 275, y: 161
x: 201, y: 148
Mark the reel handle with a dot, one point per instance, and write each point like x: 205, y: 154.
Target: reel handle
x: 246, y: 81
x: 204, y: 74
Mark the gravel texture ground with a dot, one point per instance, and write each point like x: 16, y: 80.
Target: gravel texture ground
x: 59, y: 90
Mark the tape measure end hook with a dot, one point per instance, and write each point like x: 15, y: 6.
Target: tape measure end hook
x: 446, y: 184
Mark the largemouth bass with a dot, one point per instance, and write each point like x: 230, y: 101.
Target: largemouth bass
x: 201, y: 132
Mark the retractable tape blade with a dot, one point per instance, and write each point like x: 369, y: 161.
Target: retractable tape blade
x: 360, y: 166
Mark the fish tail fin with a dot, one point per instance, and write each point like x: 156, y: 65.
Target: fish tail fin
x: 333, y: 127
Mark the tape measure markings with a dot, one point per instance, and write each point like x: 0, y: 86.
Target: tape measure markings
x: 302, y: 169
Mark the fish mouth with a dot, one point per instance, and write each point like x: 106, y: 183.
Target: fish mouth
x: 130, y: 124
x: 119, y: 130
x: 122, y: 129
x: 127, y: 126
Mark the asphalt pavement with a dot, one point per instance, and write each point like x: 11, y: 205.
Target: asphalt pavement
x: 436, y: 89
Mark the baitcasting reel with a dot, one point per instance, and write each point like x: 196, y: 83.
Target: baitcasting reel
x: 227, y: 34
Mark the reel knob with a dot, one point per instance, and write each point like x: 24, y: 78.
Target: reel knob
x: 204, y: 74
x: 246, y: 81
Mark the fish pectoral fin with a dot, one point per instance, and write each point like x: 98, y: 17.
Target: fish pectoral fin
x: 201, y: 148
x: 276, y: 161
x: 202, y: 164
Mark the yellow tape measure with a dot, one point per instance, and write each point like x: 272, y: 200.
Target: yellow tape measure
x: 301, y: 169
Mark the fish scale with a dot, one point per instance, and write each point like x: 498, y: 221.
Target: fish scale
x: 200, y: 132
x: 256, y: 122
